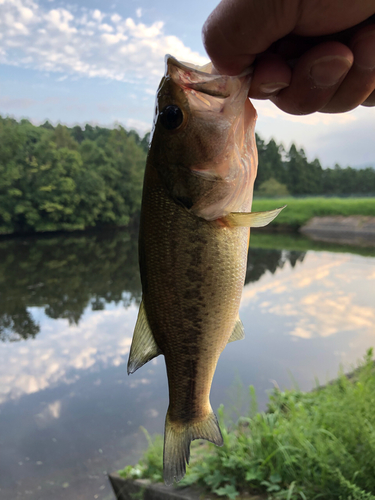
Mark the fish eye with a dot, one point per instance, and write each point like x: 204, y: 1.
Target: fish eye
x: 171, y: 117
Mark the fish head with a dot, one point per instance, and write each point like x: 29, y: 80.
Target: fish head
x: 202, y: 142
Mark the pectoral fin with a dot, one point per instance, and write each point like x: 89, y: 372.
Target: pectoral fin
x: 238, y: 332
x: 251, y: 219
x: 144, y: 347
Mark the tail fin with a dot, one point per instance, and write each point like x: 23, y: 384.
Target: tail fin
x: 177, y: 439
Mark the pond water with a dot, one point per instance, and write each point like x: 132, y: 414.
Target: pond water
x: 68, y: 304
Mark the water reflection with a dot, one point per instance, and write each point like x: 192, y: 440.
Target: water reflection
x: 261, y: 260
x: 68, y: 411
x: 63, y: 275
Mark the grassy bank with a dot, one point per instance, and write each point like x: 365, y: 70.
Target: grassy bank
x: 307, y: 445
x: 293, y: 241
x: 301, y: 210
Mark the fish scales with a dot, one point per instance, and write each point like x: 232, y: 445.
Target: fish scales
x: 193, y: 243
x: 191, y: 295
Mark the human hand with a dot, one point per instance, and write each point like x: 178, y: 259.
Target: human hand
x: 308, y: 55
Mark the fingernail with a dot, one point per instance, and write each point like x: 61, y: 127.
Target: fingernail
x: 329, y: 70
x: 364, y: 51
x: 270, y: 88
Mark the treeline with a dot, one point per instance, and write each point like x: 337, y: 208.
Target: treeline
x: 60, y: 178
x: 54, y: 178
x: 283, y: 172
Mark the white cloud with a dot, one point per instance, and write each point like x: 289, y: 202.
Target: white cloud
x: 97, y: 15
x: 138, y: 125
x: 266, y: 108
x: 26, y: 13
x: 112, y: 39
x: 118, y: 49
x: 105, y: 27
x: 354, y: 141
x: 60, y: 19
x: 139, y: 12
x: 21, y: 28
x: 345, y: 138
x: 116, y: 18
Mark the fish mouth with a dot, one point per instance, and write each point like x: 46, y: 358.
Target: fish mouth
x: 202, y: 79
x: 218, y: 126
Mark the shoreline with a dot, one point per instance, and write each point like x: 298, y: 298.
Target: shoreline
x: 350, y: 230
x: 353, y: 230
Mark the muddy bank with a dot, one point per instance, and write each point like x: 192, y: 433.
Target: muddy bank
x: 351, y: 230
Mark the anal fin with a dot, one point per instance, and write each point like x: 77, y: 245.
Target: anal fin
x: 251, y: 219
x: 238, y: 332
x: 144, y: 347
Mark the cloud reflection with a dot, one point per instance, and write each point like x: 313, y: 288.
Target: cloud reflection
x: 50, y: 412
x: 324, y: 297
x: 61, y: 351
x: 325, y: 314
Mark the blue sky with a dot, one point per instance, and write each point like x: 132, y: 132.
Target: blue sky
x: 100, y: 62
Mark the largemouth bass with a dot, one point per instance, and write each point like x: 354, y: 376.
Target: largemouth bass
x: 193, y: 243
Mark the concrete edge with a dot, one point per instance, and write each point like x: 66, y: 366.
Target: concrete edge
x: 350, y: 230
x: 144, y: 489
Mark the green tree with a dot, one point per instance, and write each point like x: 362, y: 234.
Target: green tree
x: 302, y: 177
x: 272, y: 187
x: 271, y: 162
x: 60, y: 178
x: 54, y: 178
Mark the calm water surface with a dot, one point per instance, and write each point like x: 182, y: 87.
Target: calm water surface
x: 68, y: 304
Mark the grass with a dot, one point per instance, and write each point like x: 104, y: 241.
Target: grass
x: 316, y: 445
x: 291, y: 241
x: 301, y: 210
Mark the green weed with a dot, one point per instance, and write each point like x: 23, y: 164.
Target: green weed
x: 316, y: 445
x: 151, y: 464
